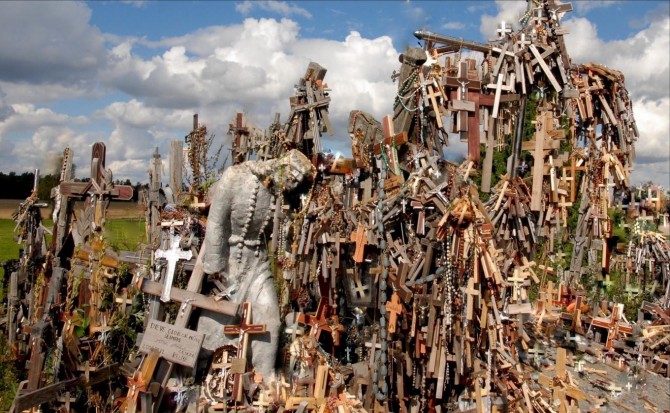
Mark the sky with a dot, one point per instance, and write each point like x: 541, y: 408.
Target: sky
x: 132, y: 73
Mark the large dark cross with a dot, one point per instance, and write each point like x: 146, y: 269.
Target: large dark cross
x: 240, y: 134
x: 466, y: 98
x: 100, y: 182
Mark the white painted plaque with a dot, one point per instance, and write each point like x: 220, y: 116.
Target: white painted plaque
x: 179, y: 345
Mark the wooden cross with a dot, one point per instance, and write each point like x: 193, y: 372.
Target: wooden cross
x: 360, y: 238
x: 518, y: 281
x: 466, y: 100
x: 240, y: 134
x: 321, y: 320
x: 388, y: 149
x: 139, y: 383
x: 654, y: 197
x: 613, y: 325
x: 244, y: 329
x: 97, y: 184
x: 432, y: 95
x: 471, y: 291
x: 572, y: 177
x: 544, y: 141
x: 190, y: 298
x: 173, y: 255
x: 394, y: 308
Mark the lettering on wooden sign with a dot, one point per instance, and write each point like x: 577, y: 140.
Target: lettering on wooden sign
x: 178, y: 345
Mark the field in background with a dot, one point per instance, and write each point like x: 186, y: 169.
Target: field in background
x: 125, y: 210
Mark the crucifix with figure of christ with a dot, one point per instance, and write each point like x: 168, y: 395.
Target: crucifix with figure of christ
x: 243, y: 330
x: 172, y: 256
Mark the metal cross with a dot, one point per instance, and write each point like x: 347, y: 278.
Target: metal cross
x: 174, y: 254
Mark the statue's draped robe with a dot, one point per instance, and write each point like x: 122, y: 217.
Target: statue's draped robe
x: 236, y: 247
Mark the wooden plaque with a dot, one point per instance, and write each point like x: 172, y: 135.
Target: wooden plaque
x: 178, y: 345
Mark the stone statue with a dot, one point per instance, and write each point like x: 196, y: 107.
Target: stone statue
x: 238, y: 231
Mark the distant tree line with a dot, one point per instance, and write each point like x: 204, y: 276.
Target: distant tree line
x: 15, y: 186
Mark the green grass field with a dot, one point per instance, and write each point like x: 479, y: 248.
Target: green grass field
x: 122, y: 235
x: 9, y: 248
x: 125, y: 234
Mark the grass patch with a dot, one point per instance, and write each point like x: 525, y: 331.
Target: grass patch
x: 9, y: 248
x: 125, y: 234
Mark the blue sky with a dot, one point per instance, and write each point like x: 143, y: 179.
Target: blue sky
x: 131, y: 74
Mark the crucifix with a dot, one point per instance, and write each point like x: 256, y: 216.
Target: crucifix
x: 244, y: 329
x: 173, y: 255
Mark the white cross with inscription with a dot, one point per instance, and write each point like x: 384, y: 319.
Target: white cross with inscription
x: 174, y: 254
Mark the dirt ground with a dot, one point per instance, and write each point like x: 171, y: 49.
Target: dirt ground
x: 117, y: 210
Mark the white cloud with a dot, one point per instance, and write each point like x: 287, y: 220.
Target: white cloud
x: 643, y: 59
x: 653, y: 146
x: 453, y: 26
x: 30, y: 137
x: 44, y: 43
x: 232, y: 77
x: 509, y: 11
x: 280, y: 7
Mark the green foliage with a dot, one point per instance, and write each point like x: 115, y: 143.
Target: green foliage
x: 47, y: 182
x: 8, y: 376
x: 15, y: 186
x: 125, y: 234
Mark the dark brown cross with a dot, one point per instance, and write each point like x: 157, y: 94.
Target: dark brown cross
x: 468, y: 93
x: 243, y: 330
x: 240, y: 139
x: 97, y: 184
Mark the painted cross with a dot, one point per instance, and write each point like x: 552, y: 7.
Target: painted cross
x: 321, y: 320
x: 394, y: 308
x: 139, y: 383
x: 172, y: 256
x: 244, y: 329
